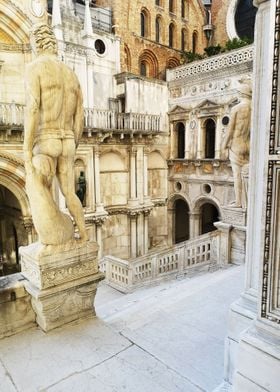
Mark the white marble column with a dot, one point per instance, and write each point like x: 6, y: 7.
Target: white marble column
x: 187, y: 140
x: 200, y: 142
x: 98, y: 204
x: 218, y: 138
x: 194, y: 219
x: 146, y: 232
x: 133, y: 236
x: 133, y: 171
x: 145, y: 174
x: 171, y: 141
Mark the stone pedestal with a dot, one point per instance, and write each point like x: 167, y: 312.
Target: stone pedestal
x: 237, y: 219
x: 224, y: 242
x: 61, y: 280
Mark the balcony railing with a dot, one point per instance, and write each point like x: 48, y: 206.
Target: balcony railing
x: 12, y: 114
x: 111, y: 120
x: 126, y: 275
x: 214, y: 63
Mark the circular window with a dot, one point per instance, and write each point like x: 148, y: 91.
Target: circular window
x: 178, y: 186
x: 100, y: 46
x: 207, y: 188
x: 225, y: 120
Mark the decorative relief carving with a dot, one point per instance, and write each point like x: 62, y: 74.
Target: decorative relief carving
x: 234, y: 216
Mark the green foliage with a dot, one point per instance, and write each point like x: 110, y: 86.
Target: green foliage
x: 235, y: 43
x: 189, y: 57
x: 212, y: 50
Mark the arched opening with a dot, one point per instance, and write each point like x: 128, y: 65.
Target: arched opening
x: 127, y: 58
x: 172, y: 63
x: 148, y: 64
x: 171, y: 35
x: 143, y: 68
x: 181, y: 218
x: 194, y: 42
x: 210, y: 136
x: 12, y: 232
x: 180, y: 128
x: 183, y: 39
x: 171, y: 6
x: 158, y: 29
x: 144, y: 23
x: 244, y: 19
x: 208, y: 215
x: 183, y: 8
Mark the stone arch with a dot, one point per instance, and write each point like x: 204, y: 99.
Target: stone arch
x: 148, y: 58
x: 145, y: 23
x: 172, y: 32
x: 209, y: 212
x: 159, y: 29
x: 172, y: 62
x: 179, y: 140
x: 12, y: 176
x: 179, y: 210
x: 194, y: 41
x: 127, y: 56
x: 14, y: 22
x: 209, y: 130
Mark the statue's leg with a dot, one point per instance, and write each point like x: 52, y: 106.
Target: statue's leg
x: 65, y: 174
x: 236, y: 169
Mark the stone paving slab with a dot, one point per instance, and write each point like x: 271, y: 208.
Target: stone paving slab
x: 166, y: 338
x: 132, y: 370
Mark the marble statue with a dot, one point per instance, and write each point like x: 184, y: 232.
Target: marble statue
x: 52, y: 130
x: 237, y: 139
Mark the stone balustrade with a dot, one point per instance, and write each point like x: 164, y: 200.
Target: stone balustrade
x: 112, y: 120
x: 180, y: 259
x: 13, y: 114
x: 213, y: 63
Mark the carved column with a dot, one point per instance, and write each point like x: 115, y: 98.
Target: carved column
x: 146, y: 231
x: 194, y: 218
x: 218, y: 138
x: 200, y: 142
x: 133, y: 168
x: 171, y: 140
x: 145, y: 173
x: 133, y: 235
x: 99, y: 205
x: 187, y: 140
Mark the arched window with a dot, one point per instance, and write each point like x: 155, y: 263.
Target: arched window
x: 158, y: 2
x: 143, y: 68
x: 158, y: 29
x: 171, y: 5
x: 171, y: 35
x: 194, y: 42
x: 245, y: 18
x: 148, y: 64
x: 181, y: 215
x: 143, y: 24
x: 180, y: 140
x: 172, y: 63
x: 127, y: 58
x: 210, y: 136
x: 208, y: 215
x: 183, y: 8
x: 183, y: 39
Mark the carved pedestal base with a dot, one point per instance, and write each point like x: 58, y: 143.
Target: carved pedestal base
x: 62, y: 281
x: 236, y: 218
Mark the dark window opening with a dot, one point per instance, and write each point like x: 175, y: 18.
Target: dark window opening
x: 181, y: 141
x: 143, y: 22
x: 210, y: 136
x: 171, y: 36
x: 244, y: 18
x: 209, y: 215
x: 181, y: 221
x: 157, y: 29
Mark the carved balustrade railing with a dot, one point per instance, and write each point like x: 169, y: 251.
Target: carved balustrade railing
x: 213, y: 63
x: 13, y: 114
x: 198, y: 253
x: 112, y: 120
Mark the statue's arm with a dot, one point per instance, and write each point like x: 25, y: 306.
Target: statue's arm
x: 79, y: 118
x: 231, y: 128
x: 32, y: 112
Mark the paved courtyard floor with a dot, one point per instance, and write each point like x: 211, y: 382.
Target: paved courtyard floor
x: 165, y: 338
